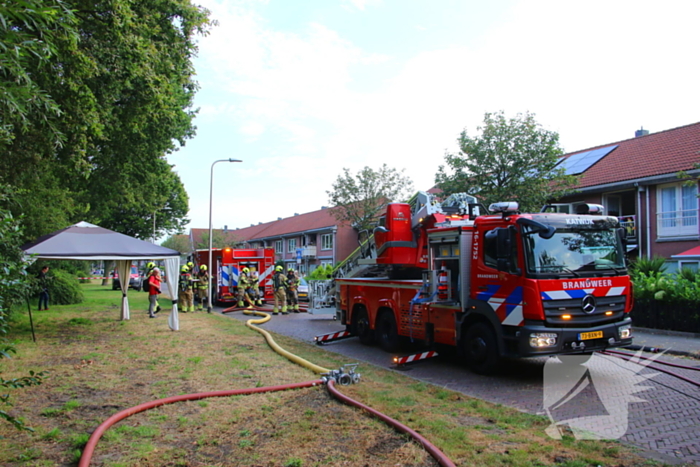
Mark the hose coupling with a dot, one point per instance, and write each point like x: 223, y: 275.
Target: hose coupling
x: 344, y: 376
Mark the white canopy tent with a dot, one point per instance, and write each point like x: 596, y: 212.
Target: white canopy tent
x: 84, y: 241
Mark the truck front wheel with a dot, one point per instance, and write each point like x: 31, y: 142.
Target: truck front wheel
x: 481, y: 349
x: 362, y: 328
x: 387, y: 334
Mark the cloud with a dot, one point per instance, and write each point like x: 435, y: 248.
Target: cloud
x: 359, y: 4
x: 308, y: 100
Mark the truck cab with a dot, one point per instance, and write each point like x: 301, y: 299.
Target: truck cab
x: 547, y: 283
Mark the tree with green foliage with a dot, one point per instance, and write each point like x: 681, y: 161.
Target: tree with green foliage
x: 13, y: 291
x: 179, y: 243
x: 360, y: 199
x: 218, y: 240
x: 511, y: 160
x: 120, y: 78
x: 29, y: 31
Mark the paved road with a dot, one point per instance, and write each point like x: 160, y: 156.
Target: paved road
x: 666, y: 424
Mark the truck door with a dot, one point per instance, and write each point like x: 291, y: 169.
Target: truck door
x: 497, y: 281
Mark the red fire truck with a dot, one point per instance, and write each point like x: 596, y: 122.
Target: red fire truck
x: 506, y: 284
x: 230, y: 261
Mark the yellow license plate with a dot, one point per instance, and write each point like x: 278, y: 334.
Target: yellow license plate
x: 590, y: 335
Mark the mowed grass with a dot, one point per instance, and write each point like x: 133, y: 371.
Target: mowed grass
x: 99, y: 365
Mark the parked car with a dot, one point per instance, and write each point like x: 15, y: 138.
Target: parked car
x: 303, y: 290
x: 135, y: 279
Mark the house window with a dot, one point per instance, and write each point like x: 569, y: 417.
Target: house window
x: 291, y: 244
x: 677, y: 210
x: 613, y: 205
x: 692, y: 265
x: 278, y: 246
x: 327, y: 242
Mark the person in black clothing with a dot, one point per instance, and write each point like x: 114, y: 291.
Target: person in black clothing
x: 44, y: 286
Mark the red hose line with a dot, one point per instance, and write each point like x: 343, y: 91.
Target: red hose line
x: 438, y: 455
x: 97, y: 434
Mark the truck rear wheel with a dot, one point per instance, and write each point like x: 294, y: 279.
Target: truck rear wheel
x: 387, y: 334
x: 481, y: 349
x: 362, y: 329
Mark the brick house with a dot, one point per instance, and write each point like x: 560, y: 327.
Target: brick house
x: 637, y: 181
x: 303, y: 241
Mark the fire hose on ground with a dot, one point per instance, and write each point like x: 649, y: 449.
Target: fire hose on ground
x: 329, y: 378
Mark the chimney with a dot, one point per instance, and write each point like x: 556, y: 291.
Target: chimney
x: 296, y: 213
x: 279, y: 218
x: 324, y: 207
x: 641, y: 132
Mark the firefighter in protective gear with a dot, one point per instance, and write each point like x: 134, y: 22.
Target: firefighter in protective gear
x: 243, y: 286
x: 292, y: 286
x: 279, y: 283
x: 254, y: 290
x: 202, y: 286
x: 185, y: 294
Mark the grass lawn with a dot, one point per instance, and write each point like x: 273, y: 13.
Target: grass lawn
x: 99, y: 365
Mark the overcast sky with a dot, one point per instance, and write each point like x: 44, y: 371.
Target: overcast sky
x: 300, y: 89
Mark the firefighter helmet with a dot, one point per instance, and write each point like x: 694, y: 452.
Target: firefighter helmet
x: 203, y: 267
x: 190, y: 265
x: 246, y: 270
x: 151, y: 265
x: 279, y: 268
x: 184, y: 269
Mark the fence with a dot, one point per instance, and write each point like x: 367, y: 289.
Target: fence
x: 672, y: 316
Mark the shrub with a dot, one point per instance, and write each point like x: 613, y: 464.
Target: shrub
x: 321, y: 273
x: 64, y: 288
x: 655, y: 266
x: 689, y: 275
x: 13, y: 290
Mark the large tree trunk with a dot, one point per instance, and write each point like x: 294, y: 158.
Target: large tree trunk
x: 108, y: 271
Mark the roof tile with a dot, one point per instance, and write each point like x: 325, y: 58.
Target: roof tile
x: 665, y: 152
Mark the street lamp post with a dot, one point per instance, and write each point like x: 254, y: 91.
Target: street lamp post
x: 211, y: 195
x: 154, y: 227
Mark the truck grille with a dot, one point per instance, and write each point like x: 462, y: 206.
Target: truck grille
x: 555, y: 309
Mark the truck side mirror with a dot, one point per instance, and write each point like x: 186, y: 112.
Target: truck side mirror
x: 505, y: 247
x: 622, y: 234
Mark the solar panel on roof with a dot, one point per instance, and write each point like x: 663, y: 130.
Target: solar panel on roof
x: 579, y: 163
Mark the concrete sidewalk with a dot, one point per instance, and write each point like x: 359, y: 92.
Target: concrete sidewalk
x: 673, y: 342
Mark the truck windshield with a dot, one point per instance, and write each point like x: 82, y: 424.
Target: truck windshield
x: 574, y: 253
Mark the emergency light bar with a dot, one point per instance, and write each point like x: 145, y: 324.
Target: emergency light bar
x: 506, y: 207
x: 596, y: 209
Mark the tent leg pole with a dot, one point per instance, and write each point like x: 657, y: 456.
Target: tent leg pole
x: 31, y: 320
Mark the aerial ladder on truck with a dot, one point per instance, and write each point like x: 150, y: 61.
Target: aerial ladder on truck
x: 363, y: 261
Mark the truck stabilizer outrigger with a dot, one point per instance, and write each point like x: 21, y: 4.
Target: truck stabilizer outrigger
x: 333, y: 336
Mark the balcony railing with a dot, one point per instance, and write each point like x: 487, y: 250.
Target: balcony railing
x: 629, y: 223
x: 308, y: 251
x: 677, y: 223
